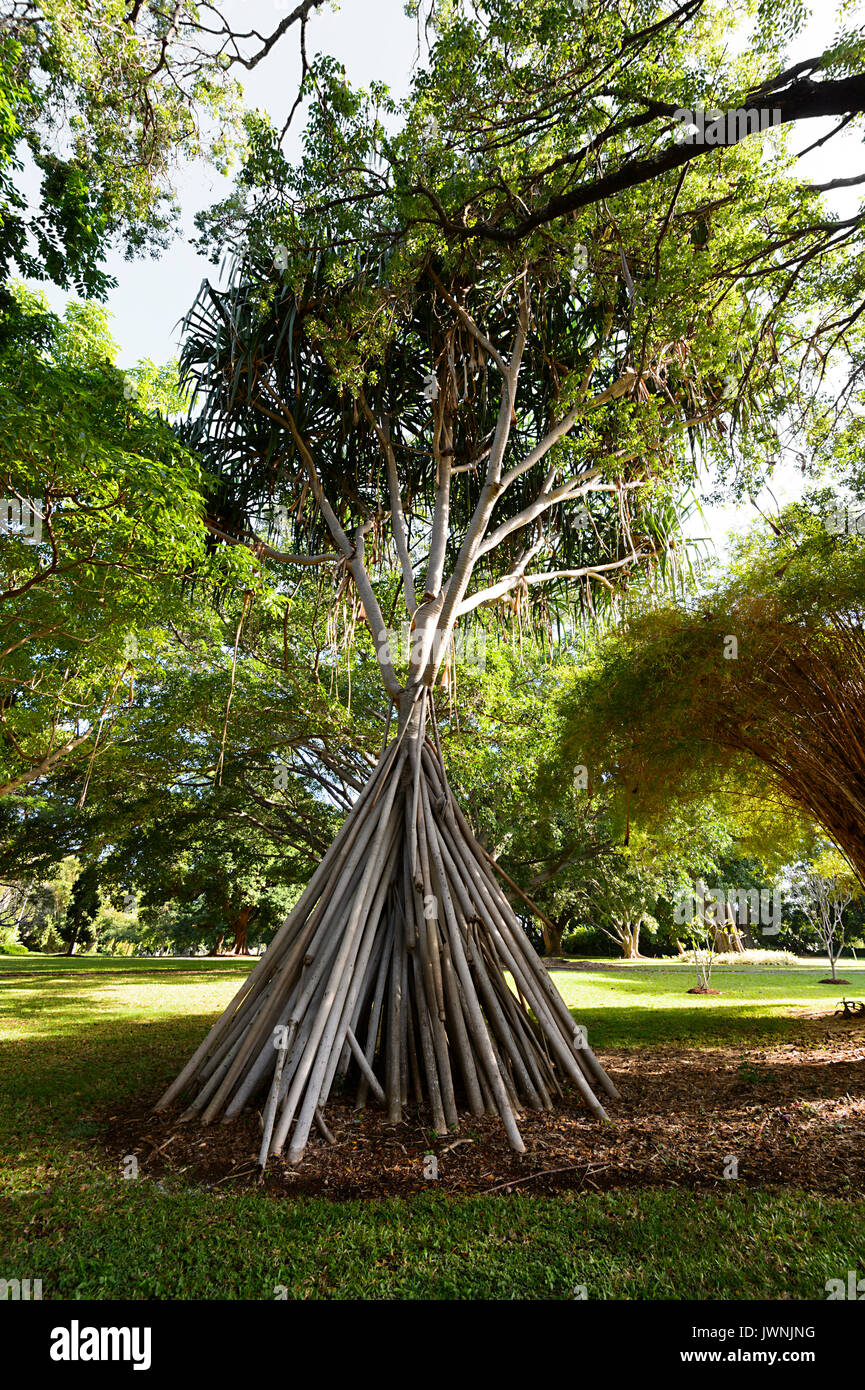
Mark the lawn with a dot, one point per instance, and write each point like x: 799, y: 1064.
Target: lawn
x: 648, y: 1002
x: 80, y: 1036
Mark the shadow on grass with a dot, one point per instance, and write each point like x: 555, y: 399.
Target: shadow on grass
x: 109, y: 1058
x: 216, y: 972
x: 136, y: 1243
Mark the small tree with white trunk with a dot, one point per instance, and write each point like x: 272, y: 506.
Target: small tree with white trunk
x: 708, y: 922
x: 825, y: 896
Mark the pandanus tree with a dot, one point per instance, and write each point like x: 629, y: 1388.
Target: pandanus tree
x: 394, y: 961
x: 488, y: 422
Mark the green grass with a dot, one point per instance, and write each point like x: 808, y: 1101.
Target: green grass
x: 132, y: 1241
x: 78, y: 1036
x: 650, y: 1003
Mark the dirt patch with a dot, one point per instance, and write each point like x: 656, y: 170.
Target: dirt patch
x: 785, y: 1115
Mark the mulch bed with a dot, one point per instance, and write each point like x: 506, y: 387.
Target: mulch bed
x: 790, y: 1115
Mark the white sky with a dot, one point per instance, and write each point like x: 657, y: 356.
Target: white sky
x: 375, y: 39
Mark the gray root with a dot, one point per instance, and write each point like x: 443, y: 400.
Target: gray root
x: 404, y: 938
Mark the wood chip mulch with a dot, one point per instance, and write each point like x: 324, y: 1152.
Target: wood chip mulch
x: 791, y: 1114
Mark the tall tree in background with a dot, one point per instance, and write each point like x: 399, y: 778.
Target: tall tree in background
x: 498, y: 416
x: 101, y: 519
x: 77, y: 928
x: 826, y: 889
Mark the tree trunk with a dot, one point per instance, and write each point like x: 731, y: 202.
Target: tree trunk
x: 399, y: 949
x: 241, y: 931
x: 627, y: 938
x: 552, y: 933
x: 728, y: 940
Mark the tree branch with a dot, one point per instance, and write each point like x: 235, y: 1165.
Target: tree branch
x: 514, y: 580
x: 353, y: 553
x: 802, y: 100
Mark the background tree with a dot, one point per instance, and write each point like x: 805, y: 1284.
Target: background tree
x: 33, y: 907
x: 206, y: 880
x: 702, y: 936
x: 77, y: 929
x: 545, y: 68
x: 107, y: 101
x: 117, y: 503
x: 762, y: 673
x: 826, y: 889
x: 249, y: 753
x: 622, y: 893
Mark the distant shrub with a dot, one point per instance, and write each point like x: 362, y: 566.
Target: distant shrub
x: 587, y: 941
x: 770, y: 956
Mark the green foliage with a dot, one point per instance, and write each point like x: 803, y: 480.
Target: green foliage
x: 663, y: 717
x: 104, y: 101
x: 117, y: 502
x: 77, y: 930
x: 13, y: 948
x: 219, y: 783
x: 348, y: 265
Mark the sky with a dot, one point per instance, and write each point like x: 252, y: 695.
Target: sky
x: 376, y: 39
x: 373, y: 38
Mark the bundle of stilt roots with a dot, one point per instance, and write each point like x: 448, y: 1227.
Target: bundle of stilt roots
x: 403, y: 970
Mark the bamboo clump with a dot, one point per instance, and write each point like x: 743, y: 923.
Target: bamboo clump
x: 391, y: 974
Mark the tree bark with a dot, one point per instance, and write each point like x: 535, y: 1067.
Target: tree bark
x: 632, y: 941
x: 240, y: 927
x: 626, y: 935
x: 552, y: 931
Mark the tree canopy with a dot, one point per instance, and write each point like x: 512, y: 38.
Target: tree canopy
x: 757, y: 679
